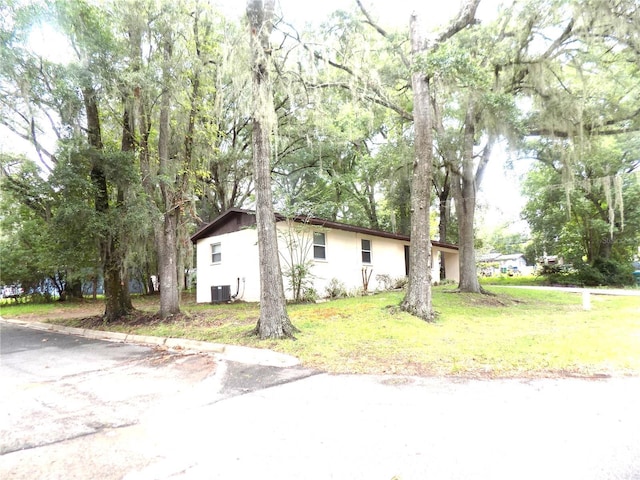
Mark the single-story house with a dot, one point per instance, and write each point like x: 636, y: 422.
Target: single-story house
x: 227, y: 255
x: 497, y: 263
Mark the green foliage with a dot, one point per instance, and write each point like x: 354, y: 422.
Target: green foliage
x: 298, y: 264
x: 603, y: 272
x: 506, y: 242
x: 38, y: 247
x: 309, y: 295
x: 614, y: 273
x: 343, y: 146
x: 589, y: 276
x: 580, y: 219
x: 335, y: 289
x: 516, y: 280
x: 400, y: 283
x: 300, y: 280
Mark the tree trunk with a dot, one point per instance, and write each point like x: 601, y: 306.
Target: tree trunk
x: 274, y: 321
x: 94, y: 281
x: 417, y: 300
x: 74, y: 289
x: 167, y: 233
x: 465, y: 206
x: 445, y: 214
x: 143, y: 121
x: 465, y: 186
x: 167, y: 266
x: 117, y: 299
x: 128, y: 144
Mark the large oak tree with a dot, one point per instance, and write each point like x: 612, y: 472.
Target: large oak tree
x: 274, y: 321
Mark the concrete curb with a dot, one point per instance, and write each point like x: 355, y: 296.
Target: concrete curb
x: 235, y: 353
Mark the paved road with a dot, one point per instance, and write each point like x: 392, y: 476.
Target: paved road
x: 619, y: 292
x: 74, y: 408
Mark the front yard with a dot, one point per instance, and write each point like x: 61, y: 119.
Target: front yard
x: 516, y: 333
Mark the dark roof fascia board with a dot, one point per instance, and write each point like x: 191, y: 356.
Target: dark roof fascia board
x: 205, y: 231
x: 318, y: 222
x: 321, y: 222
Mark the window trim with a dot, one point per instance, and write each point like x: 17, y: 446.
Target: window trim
x: 320, y: 245
x: 368, y: 251
x: 213, y: 253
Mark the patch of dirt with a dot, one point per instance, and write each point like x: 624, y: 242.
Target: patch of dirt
x: 487, y: 300
x: 142, y: 318
x: 190, y: 367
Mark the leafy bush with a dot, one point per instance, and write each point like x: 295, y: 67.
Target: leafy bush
x: 601, y: 273
x: 400, y: 282
x: 559, y: 274
x: 300, y: 279
x: 384, y: 281
x: 335, y: 289
x: 589, y: 276
x: 614, y: 273
x: 40, y: 298
x: 309, y: 295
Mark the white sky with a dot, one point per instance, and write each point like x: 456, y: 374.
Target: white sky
x: 389, y: 12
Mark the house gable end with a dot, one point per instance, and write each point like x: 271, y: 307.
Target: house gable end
x: 232, y: 220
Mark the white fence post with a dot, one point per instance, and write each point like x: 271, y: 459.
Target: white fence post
x: 586, y: 300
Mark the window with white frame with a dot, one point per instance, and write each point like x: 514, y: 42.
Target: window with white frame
x: 319, y: 246
x: 366, y: 251
x: 216, y: 253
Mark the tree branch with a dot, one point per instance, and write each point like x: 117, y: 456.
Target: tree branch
x: 466, y: 16
x: 376, y: 99
x: 553, y: 133
x: 484, y: 160
x: 382, y: 32
x: 30, y: 137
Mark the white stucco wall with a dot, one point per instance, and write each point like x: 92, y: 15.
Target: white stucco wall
x: 239, y: 260
x: 343, y: 261
x: 451, y: 265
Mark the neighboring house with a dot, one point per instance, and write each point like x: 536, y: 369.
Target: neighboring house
x: 496, y: 263
x: 227, y: 255
x: 550, y: 260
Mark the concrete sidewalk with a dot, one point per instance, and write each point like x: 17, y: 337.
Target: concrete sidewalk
x: 234, y: 353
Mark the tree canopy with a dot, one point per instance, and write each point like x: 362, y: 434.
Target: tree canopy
x: 146, y: 129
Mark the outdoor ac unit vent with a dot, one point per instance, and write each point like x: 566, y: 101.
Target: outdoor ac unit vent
x: 220, y: 293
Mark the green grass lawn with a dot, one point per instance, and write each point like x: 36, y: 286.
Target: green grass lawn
x: 515, y: 280
x: 515, y: 333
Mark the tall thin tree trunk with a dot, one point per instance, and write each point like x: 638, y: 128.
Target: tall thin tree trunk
x: 128, y: 144
x: 168, y: 266
x: 117, y: 299
x: 182, y: 239
x: 417, y: 300
x: 274, y: 321
x: 445, y: 214
x: 167, y: 233
x: 143, y: 120
x: 465, y: 205
x: 465, y: 189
